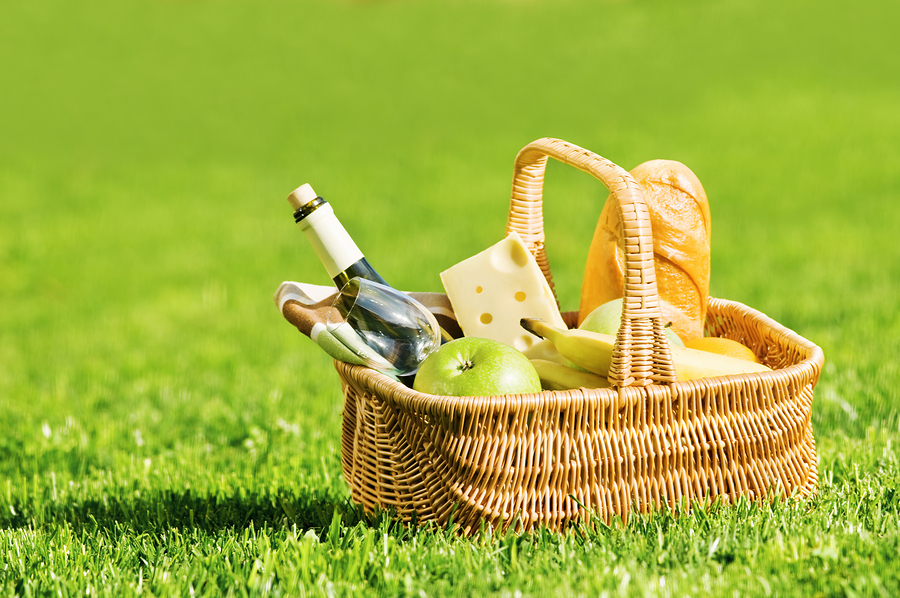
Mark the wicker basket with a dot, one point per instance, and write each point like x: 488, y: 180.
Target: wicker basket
x: 552, y: 458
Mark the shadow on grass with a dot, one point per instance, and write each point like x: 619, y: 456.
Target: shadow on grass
x: 156, y: 511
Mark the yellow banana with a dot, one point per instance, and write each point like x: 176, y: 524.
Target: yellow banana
x: 544, y: 349
x: 691, y: 364
x: 555, y: 376
x: 590, y: 350
x: 593, y: 352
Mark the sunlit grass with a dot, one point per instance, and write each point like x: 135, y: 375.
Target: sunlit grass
x: 166, y: 432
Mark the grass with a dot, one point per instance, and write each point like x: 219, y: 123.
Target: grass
x: 167, y: 433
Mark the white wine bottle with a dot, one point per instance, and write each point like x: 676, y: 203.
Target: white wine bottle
x: 399, y: 338
x: 333, y: 245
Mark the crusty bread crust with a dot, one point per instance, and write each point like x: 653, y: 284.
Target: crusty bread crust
x: 680, y: 220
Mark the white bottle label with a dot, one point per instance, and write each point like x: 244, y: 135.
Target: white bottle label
x: 332, y: 244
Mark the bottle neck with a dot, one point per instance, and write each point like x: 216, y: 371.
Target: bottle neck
x: 307, y: 209
x: 359, y: 269
x: 331, y: 242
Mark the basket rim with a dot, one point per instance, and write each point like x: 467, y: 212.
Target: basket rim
x: 394, y: 392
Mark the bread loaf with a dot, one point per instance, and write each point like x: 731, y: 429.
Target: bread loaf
x: 680, y: 221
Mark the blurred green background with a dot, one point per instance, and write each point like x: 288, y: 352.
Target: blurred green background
x: 146, y: 149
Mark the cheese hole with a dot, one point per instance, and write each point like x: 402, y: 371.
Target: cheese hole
x: 486, y: 318
x: 510, y: 257
x: 524, y: 342
x: 520, y: 296
x: 478, y: 290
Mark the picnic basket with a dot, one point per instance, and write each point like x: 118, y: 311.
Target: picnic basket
x: 556, y: 457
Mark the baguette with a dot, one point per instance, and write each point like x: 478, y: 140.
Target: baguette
x: 680, y: 221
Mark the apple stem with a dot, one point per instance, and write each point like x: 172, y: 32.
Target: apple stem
x: 465, y: 366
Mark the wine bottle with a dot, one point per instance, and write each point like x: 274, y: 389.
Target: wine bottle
x: 333, y: 245
x: 344, y: 261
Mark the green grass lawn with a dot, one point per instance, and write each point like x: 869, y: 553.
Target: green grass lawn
x: 166, y: 432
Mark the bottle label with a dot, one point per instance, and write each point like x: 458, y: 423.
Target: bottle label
x: 331, y: 242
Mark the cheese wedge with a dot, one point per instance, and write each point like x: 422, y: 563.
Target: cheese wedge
x: 493, y: 290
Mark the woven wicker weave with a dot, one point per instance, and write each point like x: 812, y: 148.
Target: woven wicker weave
x: 551, y: 458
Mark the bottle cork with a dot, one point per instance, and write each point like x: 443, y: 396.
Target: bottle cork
x: 301, y: 196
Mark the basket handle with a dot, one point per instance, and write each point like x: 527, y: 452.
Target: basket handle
x: 641, y: 354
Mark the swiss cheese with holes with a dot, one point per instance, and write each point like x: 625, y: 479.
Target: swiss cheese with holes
x: 493, y: 290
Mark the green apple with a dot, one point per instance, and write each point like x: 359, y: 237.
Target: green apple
x: 607, y: 318
x: 476, y: 367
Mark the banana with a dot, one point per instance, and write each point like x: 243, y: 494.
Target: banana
x: 555, y: 376
x: 692, y: 364
x: 593, y: 352
x: 590, y: 350
x: 544, y: 349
